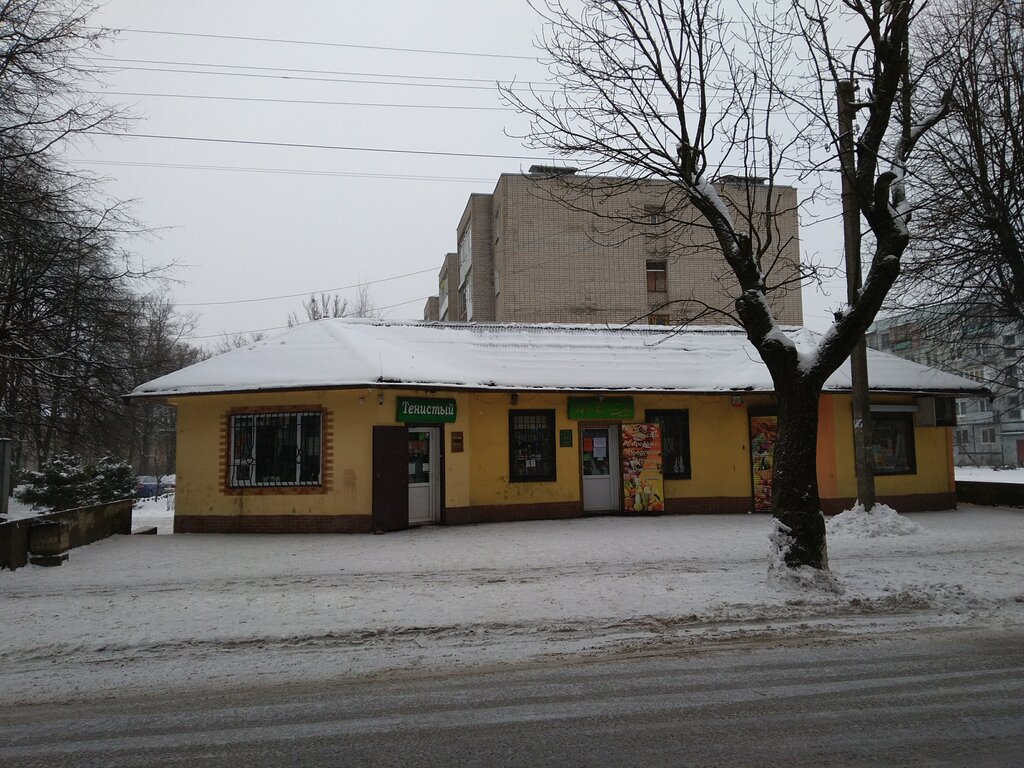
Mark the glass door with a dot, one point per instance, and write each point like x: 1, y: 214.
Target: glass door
x: 600, y: 468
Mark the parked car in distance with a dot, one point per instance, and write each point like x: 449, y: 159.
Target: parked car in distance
x: 148, y: 486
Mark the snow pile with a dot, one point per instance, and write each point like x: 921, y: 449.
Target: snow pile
x: 882, y: 520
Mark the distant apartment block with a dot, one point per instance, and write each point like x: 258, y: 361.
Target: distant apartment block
x: 989, y: 430
x: 535, y: 251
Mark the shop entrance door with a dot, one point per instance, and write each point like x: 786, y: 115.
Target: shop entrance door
x: 424, y: 475
x: 601, y: 470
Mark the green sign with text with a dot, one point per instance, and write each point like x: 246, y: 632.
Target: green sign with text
x: 603, y: 408
x: 425, y: 410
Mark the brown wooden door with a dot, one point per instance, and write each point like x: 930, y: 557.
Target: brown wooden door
x: 390, y: 478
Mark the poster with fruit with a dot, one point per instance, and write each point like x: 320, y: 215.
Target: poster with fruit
x: 763, y: 433
x: 643, y: 486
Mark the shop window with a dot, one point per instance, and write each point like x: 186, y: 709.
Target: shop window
x: 531, y: 446
x: 892, y: 438
x: 675, y: 441
x: 657, y: 274
x: 275, y: 449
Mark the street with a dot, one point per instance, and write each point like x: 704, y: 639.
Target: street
x: 931, y: 696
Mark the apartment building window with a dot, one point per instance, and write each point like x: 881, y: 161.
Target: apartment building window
x: 675, y: 441
x: 885, y: 340
x: 657, y: 277
x: 892, y: 438
x: 961, y: 407
x: 531, y: 446
x: 962, y: 437
x: 443, y: 294
x: 275, y: 449
x: 654, y: 215
x: 466, y: 275
x: 656, y: 319
x: 988, y: 435
x: 984, y: 406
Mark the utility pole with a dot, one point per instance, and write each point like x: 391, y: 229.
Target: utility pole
x: 851, y: 246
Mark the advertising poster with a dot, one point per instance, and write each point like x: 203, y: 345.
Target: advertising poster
x: 643, y: 486
x: 763, y: 433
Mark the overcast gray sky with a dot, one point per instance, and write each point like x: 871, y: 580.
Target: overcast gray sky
x: 317, y: 218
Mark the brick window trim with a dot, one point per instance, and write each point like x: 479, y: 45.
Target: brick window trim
x: 326, y: 453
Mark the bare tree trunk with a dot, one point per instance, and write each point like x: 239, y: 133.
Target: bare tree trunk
x: 795, y: 498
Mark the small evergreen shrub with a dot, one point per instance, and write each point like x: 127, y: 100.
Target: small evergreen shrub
x: 64, y: 482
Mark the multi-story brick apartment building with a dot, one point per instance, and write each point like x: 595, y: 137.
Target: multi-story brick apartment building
x: 989, y: 430
x: 535, y: 250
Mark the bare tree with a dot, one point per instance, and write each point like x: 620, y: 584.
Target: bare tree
x: 677, y: 91
x: 319, y: 306
x: 968, y: 259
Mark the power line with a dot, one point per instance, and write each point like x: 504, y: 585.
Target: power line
x: 259, y: 68
x: 315, y: 102
x: 282, y: 327
x: 325, y: 44
x: 324, y: 79
x: 250, y: 142
x: 286, y: 171
x: 308, y: 293
x: 386, y: 151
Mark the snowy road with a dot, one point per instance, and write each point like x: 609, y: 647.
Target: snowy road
x: 929, y: 697
x: 132, y: 614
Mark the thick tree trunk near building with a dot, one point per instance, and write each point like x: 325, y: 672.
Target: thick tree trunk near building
x: 795, y: 500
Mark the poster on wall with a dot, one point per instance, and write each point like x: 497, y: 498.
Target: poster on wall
x: 643, y: 486
x: 764, y: 431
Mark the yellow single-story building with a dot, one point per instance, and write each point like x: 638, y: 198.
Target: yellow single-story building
x: 354, y: 425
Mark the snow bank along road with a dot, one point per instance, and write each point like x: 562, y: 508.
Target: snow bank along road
x: 135, y: 614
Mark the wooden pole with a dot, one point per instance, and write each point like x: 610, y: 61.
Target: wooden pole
x: 851, y: 242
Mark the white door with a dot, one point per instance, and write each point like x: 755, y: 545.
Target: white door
x: 601, y: 469
x: 424, y: 475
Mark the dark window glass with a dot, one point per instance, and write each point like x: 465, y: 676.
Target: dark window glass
x: 892, y: 439
x: 275, y: 449
x: 675, y: 442
x: 531, y: 445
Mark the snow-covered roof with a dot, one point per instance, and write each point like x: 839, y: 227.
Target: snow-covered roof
x: 336, y: 353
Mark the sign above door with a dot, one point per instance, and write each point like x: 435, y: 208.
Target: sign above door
x: 601, y: 408
x: 425, y: 410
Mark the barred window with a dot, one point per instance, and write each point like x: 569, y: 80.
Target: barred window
x: 275, y: 449
x: 531, y: 446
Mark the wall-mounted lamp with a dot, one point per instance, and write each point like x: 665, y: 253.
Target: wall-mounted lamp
x: 515, y: 398
x: 737, y: 401
x: 380, y: 397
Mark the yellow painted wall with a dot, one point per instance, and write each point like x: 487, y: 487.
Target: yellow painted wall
x: 355, y: 413
x: 719, y: 449
x: 932, y: 445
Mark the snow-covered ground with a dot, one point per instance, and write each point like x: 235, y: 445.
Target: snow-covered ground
x: 192, y: 611
x: 989, y: 475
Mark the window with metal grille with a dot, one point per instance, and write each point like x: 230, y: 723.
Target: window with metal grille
x: 531, y: 446
x: 675, y: 441
x: 275, y: 449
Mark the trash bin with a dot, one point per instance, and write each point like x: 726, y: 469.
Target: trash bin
x: 49, y: 542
